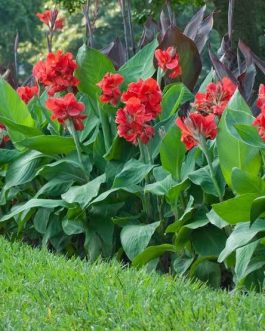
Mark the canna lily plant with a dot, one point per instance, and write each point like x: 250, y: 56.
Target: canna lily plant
x: 141, y: 162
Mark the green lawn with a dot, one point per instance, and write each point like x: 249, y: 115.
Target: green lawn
x: 40, y: 291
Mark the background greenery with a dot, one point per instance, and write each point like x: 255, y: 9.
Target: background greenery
x: 20, y: 17
x: 40, y: 291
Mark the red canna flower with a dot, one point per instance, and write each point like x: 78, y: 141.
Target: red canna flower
x: 196, y: 126
x: 132, y: 124
x: 149, y: 93
x: 56, y: 72
x: 49, y: 17
x: 110, y: 86
x: 216, y: 97
x: 261, y: 96
x: 260, y: 123
x: 3, y: 135
x: 67, y: 108
x: 168, y: 61
x: 26, y: 93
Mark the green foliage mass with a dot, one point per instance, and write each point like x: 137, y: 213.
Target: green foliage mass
x: 43, y: 291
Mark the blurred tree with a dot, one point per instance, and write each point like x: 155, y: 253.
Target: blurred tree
x: 17, y: 16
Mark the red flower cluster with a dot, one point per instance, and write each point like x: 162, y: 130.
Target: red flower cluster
x: 49, y: 17
x: 110, y: 86
x: 4, y: 137
x: 150, y: 95
x: 26, y: 93
x: 194, y: 126
x: 67, y: 108
x: 168, y: 61
x: 260, y: 120
x: 142, y: 104
x: 216, y: 97
x: 56, y: 72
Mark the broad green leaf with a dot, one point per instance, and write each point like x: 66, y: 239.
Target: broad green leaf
x: 162, y: 187
x: 243, y: 257
x: 172, y: 152
x: 208, y: 241
x: 93, y: 65
x: 71, y: 227
x: 241, y: 235
x: 34, y: 203
x: 66, y: 170
x: 244, y: 182
x: 249, y: 134
x: 41, y: 219
x: 8, y: 155
x: 23, y: 169
x: 173, y: 194
x: 14, y: 109
x: 216, y: 220
x: 161, y: 128
x: 135, y: 238
x: 85, y: 193
x: 140, y: 66
x: 50, y: 144
x: 26, y: 131
x: 182, y: 263
x: 119, y: 150
x: 176, y: 95
x: 133, y: 172
x: 186, y: 230
x: 202, y: 177
x: 237, y: 209
x: 238, y: 103
x: 151, y: 253
x: 257, y: 208
x: 54, y: 188
x: 209, y: 272
x: 232, y: 151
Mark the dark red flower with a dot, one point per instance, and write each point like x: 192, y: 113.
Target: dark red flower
x: 67, y: 108
x: 26, y: 93
x: 216, y: 97
x: 110, y: 86
x: 195, y: 126
x: 49, y: 17
x: 260, y: 123
x: 261, y: 97
x: 149, y: 93
x: 168, y: 61
x: 132, y: 124
x: 56, y: 72
x: 3, y: 135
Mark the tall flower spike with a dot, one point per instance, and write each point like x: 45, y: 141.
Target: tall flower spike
x: 195, y: 126
x: 168, y: 61
x: 49, y: 17
x: 67, y: 108
x: 56, y: 72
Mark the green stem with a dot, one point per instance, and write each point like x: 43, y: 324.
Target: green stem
x: 72, y: 131
x: 159, y: 76
x: 205, y: 151
x: 146, y: 159
x: 105, y: 127
x: 263, y: 163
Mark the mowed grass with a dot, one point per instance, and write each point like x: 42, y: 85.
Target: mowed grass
x: 40, y: 291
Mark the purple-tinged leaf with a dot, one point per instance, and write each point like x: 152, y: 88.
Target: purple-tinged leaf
x: 194, y: 24
x: 116, y: 52
x: 189, y: 56
x: 204, y: 31
x: 149, y: 33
